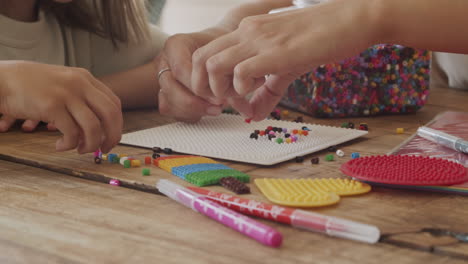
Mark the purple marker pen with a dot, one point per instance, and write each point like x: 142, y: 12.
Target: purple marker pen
x: 241, y: 223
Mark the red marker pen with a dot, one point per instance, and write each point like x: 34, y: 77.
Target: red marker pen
x: 329, y: 225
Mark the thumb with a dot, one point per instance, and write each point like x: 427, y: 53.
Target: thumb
x: 267, y: 97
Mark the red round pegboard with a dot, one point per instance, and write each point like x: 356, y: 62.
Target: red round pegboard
x: 406, y: 170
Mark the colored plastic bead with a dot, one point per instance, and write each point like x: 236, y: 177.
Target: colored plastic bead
x: 135, y: 163
x: 155, y: 155
x: 270, y: 137
x: 116, y: 159
x: 145, y: 172
x: 295, y: 131
x: 97, y: 160
x: 110, y: 157
x: 400, y: 130
x: 344, y: 125
x: 287, y: 135
x: 114, y: 182
x: 279, y: 140
x: 97, y: 153
x: 350, y: 125
x: 104, y: 156
x: 269, y: 128
x: 148, y: 160
x: 340, y: 153
x: 329, y: 157
x: 355, y: 155
x: 122, y: 155
x: 167, y: 151
x: 332, y: 148
x: 299, y: 159
x: 248, y: 120
x: 157, y: 150
x: 127, y: 163
x: 271, y: 133
x: 262, y: 133
x: 257, y: 131
x: 314, y: 160
x: 285, y: 113
x: 299, y: 119
x: 123, y: 159
x: 288, y: 140
x: 305, y: 133
x: 285, y: 130
x: 363, y: 126
x: 254, y: 136
x: 305, y: 128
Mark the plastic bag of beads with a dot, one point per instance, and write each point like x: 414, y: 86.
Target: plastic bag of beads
x: 384, y: 79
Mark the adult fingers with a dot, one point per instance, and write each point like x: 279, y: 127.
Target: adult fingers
x: 6, y: 122
x: 220, y: 68
x: 177, y: 101
x: 200, y: 81
x: 268, y: 95
x: 179, y: 50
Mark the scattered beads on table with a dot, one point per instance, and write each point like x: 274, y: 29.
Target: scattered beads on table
x: 122, y: 160
x: 104, y: 156
x: 299, y: 159
x: 363, y: 126
x: 315, y: 160
x: 248, y: 120
x: 332, y: 148
x: 97, y: 160
x: 340, y: 153
x: 111, y: 157
x: 285, y: 113
x: 157, y: 150
x: 145, y: 172
x: 98, y: 153
x: 167, y: 151
x: 329, y: 157
x: 135, y: 163
x: 351, y: 125
x: 148, y: 160
x: 114, y: 182
x: 400, y: 130
x: 127, y: 163
x: 155, y: 155
x: 355, y: 155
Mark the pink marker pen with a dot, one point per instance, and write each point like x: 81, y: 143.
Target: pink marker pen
x: 243, y: 224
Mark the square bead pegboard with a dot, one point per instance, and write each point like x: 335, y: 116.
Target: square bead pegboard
x: 227, y: 137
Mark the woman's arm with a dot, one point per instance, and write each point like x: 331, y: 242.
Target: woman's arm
x: 136, y: 88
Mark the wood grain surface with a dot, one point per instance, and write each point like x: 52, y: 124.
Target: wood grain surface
x: 51, y: 218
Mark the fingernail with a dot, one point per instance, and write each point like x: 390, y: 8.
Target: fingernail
x: 213, y: 110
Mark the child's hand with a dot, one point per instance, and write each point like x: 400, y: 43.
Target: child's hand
x: 28, y: 126
x: 71, y: 99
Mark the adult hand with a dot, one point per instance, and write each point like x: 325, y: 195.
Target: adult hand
x: 71, y: 99
x: 282, y: 46
x: 175, y: 97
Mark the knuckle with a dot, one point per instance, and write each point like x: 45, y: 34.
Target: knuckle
x: 213, y: 65
x: 250, y: 24
x: 198, y: 57
x: 241, y: 71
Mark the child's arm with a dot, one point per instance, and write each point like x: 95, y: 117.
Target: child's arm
x: 80, y: 106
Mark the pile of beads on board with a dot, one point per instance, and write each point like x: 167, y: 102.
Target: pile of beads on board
x: 281, y: 135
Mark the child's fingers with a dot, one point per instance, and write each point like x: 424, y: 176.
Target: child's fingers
x: 29, y: 125
x: 89, y: 125
x: 70, y: 130
x: 51, y: 127
x: 110, y: 117
x: 6, y: 122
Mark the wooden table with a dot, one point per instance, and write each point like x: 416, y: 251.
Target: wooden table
x: 48, y: 217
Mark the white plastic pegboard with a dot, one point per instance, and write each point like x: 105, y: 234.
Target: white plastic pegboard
x: 228, y: 137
